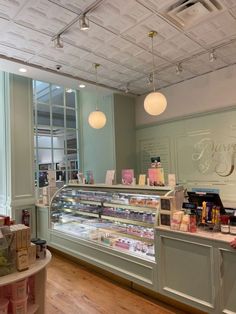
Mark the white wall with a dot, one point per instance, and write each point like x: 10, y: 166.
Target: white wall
x: 208, y: 92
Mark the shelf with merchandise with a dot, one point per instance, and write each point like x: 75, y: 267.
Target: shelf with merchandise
x: 113, y: 239
x: 127, y: 206
x: 121, y: 221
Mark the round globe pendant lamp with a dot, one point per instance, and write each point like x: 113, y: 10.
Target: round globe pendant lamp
x: 97, y: 119
x: 154, y: 103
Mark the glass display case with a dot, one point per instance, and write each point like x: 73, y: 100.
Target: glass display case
x: 120, y: 218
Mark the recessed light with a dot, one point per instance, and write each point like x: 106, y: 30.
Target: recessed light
x: 23, y: 70
x: 69, y: 90
x: 82, y: 86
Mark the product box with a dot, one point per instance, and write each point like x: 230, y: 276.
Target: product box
x: 18, y: 239
x: 28, y: 236
x: 24, y: 242
x: 22, y: 260
x: 171, y: 179
x: 51, y: 175
x: 156, y: 176
x: 45, y: 191
x: 45, y: 200
x: 48, y: 193
x: 25, y: 236
x: 21, y: 236
x: 142, y: 179
x: 32, y: 253
x: 2, y: 221
x: 13, y: 243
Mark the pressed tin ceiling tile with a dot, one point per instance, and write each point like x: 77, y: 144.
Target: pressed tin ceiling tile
x: 119, y: 15
x: 77, y: 6
x: 117, y: 39
x: 44, y: 16
x: 216, y: 30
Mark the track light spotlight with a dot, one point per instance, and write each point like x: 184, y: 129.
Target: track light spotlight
x: 58, y: 42
x: 212, y: 56
x: 150, y: 79
x: 84, y: 23
x: 178, y: 68
x: 127, y: 90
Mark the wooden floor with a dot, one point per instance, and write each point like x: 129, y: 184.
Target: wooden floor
x: 73, y: 289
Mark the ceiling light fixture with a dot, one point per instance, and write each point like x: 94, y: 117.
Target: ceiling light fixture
x: 69, y: 90
x: 127, y: 88
x: 82, y: 85
x: 22, y: 70
x: 154, y: 103
x: 58, y: 42
x: 83, y: 23
x: 149, y: 79
x: 178, y: 68
x: 97, y: 119
x: 212, y: 56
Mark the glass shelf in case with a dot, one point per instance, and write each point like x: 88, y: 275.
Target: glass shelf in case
x: 113, y: 217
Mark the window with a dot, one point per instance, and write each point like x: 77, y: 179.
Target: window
x: 55, y: 133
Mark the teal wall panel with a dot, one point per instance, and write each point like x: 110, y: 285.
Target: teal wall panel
x: 124, y: 113
x: 200, y: 150
x: 97, y: 146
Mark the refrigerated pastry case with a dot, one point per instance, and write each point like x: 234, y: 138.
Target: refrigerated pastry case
x: 111, y: 227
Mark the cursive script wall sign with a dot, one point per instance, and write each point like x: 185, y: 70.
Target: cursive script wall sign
x: 212, y: 156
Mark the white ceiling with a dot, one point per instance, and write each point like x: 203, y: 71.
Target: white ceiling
x: 118, y: 40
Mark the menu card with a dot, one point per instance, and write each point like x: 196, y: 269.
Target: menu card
x: 127, y: 176
x: 142, y: 179
x: 156, y: 176
x: 110, y: 177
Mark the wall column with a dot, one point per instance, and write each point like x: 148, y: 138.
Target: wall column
x: 19, y: 165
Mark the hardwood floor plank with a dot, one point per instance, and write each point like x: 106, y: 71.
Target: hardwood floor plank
x: 73, y: 289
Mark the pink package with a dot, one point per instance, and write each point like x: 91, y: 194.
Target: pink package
x: 19, y: 306
x: 4, y: 305
x: 31, y: 289
x: 19, y: 289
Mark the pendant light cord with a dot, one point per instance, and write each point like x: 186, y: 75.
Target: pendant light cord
x: 96, y: 73
x: 153, y: 80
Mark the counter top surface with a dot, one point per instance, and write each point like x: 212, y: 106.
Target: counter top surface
x: 210, y: 235
x: 128, y: 187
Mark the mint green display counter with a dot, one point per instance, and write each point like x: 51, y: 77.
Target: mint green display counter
x: 198, y: 269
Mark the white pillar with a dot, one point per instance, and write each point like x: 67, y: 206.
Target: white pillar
x: 18, y: 110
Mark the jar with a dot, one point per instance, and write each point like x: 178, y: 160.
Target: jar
x: 131, y: 215
x: 136, y: 215
x: 140, y: 216
x: 150, y: 250
x: 41, y: 249
x: 153, y: 217
x: 224, y: 226
x: 232, y: 225
x: 193, y: 223
x: 149, y: 217
x: 144, y: 218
